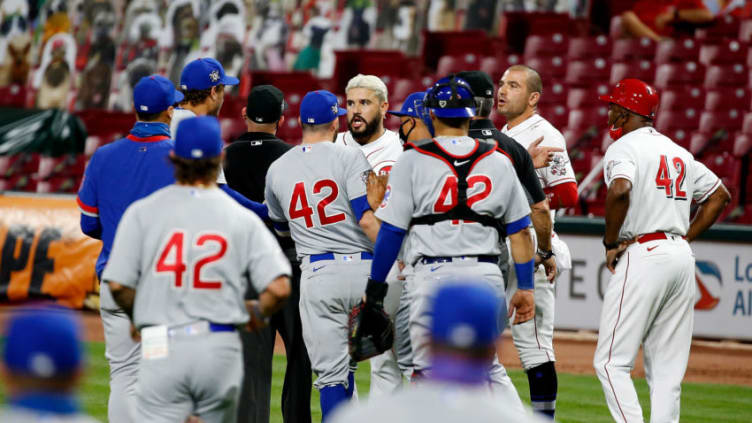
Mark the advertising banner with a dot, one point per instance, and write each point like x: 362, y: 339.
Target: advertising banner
x: 723, y: 306
x: 44, y: 253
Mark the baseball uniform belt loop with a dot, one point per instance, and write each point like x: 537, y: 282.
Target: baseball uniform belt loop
x: 330, y: 256
x: 480, y: 259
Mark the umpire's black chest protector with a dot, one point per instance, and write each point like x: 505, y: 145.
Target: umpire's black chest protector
x: 461, y: 166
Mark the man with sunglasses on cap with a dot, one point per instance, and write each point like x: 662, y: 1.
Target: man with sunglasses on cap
x: 118, y: 174
x: 451, y: 196
x: 247, y: 161
x: 316, y: 192
x: 181, y: 263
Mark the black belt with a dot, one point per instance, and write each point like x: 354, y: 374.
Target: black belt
x: 481, y: 259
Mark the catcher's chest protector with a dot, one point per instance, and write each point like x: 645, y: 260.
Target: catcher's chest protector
x: 461, y: 166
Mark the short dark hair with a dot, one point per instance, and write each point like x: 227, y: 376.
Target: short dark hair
x: 196, y: 97
x: 191, y: 171
x: 148, y: 117
x: 305, y: 127
x: 457, y: 123
x: 483, y: 106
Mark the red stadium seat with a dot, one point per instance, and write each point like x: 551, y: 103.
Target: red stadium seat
x: 496, y: 66
x: 583, y: 160
x: 554, y: 94
x: 728, y: 168
x: 289, y: 131
x: 454, y: 64
x: 67, y: 165
x: 745, y: 31
x: 585, y: 125
x: 550, y: 68
x: 742, y: 144
x: 678, y: 75
x: 747, y: 123
x: 19, y: 164
x: 724, y: 27
x: 727, y: 98
x: 681, y: 136
x: 728, y: 120
x: 682, y: 50
x: 731, y: 51
x: 582, y: 48
x: 588, y: 72
x: 629, y: 49
x: 554, y: 114
x: 545, y: 45
x: 643, y: 70
x: 582, y: 98
x: 18, y: 183
x: 681, y: 99
x: 403, y: 88
x: 60, y: 184
x: 718, y: 76
x: 668, y: 121
x: 13, y: 96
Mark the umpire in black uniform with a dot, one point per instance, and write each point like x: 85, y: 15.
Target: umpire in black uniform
x: 482, y: 127
x: 247, y: 159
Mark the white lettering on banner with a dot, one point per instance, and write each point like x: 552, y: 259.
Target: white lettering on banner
x: 723, y: 296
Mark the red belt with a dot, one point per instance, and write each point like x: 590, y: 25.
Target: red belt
x: 652, y: 237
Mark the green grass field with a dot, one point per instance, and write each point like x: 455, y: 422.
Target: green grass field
x: 580, y: 397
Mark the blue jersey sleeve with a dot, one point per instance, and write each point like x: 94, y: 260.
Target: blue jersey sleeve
x: 388, y: 244
x: 359, y: 206
x: 260, y: 209
x: 518, y: 225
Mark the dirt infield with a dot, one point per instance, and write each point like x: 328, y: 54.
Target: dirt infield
x: 709, y: 361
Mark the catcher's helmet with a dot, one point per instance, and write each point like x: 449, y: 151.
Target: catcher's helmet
x: 451, y: 97
x: 635, y: 96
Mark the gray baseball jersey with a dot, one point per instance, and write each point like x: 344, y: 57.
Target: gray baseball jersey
x: 421, y: 185
x: 189, y: 253
x: 315, y: 188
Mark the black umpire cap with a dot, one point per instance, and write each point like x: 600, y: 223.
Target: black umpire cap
x: 479, y: 82
x: 266, y: 103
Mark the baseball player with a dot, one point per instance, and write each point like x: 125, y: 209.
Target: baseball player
x: 520, y: 89
x: 203, y: 83
x: 43, y: 363
x: 367, y: 103
x: 180, y: 266
x: 118, y: 174
x: 415, y: 124
x: 463, y: 334
x: 316, y: 192
x: 445, y: 195
x: 650, y: 297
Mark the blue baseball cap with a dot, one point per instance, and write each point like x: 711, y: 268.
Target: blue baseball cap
x: 198, y: 138
x: 154, y: 94
x: 318, y: 107
x: 410, y: 106
x: 466, y: 315
x: 43, y: 343
x: 204, y: 73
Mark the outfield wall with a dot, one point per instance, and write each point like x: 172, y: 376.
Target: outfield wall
x: 723, y: 307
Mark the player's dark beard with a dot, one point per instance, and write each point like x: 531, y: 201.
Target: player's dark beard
x: 367, y: 132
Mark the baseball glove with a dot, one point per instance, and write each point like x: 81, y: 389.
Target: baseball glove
x: 371, y: 329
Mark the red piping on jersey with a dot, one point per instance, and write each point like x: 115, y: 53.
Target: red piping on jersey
x: 711, y: 190
x: 477, y: 143
x: 504, y: 153
x: 153, y: 138
x: 428, y: 153
x: 374, y: 151
x: 84, y: 207
x: 613, y: 335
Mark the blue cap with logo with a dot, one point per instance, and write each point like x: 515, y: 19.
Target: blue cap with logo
x: 466, y: 315
x: 451, y: 97
x: 43, y: 343
x: 205, y: 73
x: 318, y: 107
x: 411, y: 105
x: 154, y: 94
x: 198, y: 138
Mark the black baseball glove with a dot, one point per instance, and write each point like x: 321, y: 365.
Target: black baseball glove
x: 371, y: 329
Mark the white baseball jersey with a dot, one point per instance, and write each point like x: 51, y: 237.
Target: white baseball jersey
x: 190, y: 253
x: 420, y: 185
x: 665, y: 178
x: 560, y: 170
x: 381, y: 153
x: 311, y: 187
x: 437, y: 403
x: 179, y: 115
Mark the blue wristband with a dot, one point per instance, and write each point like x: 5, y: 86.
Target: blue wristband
x: 525, y: 274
